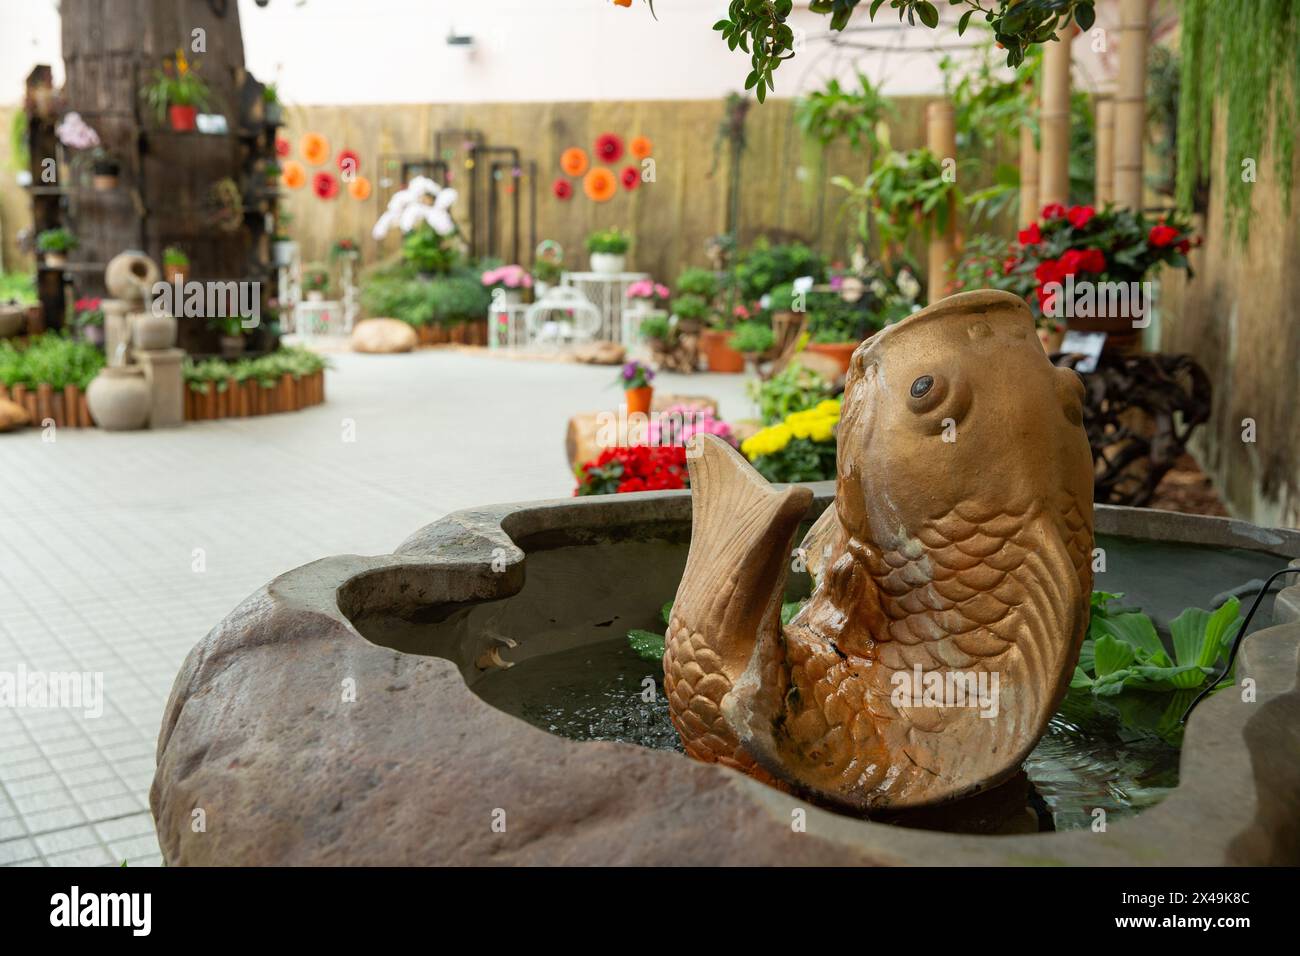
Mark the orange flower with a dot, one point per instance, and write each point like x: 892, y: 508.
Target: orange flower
x: 315, y: 148
x: 622, y: 3
x: 574, y: 161
x: 640, y: 147
x: 359, y: 188
x: 600, y: 184
x: 292, y: 175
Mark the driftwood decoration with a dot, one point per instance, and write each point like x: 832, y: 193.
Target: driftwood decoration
x: 1139, y: 412
x: 957, y: 552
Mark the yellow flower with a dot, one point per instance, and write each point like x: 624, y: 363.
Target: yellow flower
x: 182, y: 66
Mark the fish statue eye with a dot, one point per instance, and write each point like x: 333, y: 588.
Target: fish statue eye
x: 922, y: 385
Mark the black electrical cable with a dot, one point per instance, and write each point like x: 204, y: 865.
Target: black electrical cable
x: 1236, y: 641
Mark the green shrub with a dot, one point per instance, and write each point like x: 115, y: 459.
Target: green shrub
x: 699, y: 282
x: 753, y: 336
x: 50, y: 359
x: 655, y: 327
x: 690, y: 307
x: 266, y: 370
x: 765, y: 266
x: 459, y: 298
x: 614, y: 242
x: 18, y: 287
x: 793, y: 389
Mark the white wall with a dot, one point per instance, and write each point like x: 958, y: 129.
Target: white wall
x: 395, y: 51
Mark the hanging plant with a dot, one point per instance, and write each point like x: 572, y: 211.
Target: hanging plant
x: 836, y: 113
x: 905, y: 192
x: 1248, y: 54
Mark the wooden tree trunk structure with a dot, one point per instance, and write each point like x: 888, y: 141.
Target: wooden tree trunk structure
x: 1130, y: 103
x: 1105, y: 173
x: 1029, y: 165
x: 1054, y: 178
x: 168, y: 192
x: 941, y: 138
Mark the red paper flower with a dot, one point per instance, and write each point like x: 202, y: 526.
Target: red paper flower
x: 1162, y: 235
x: 562, y: 188
x: 1092, y: 260
x: 282, y: 147
x: 349, y: 162
x: 1080, y: 216
x: 1049, y: 270
x: 631, y: 177
x: 325, y: 185
x: 1053, y: 210
x: 609, y: 147
x: 1030, y: 236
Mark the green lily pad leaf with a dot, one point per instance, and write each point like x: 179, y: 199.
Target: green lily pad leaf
x: 667, y: 613
x: 1135, y: 630
x: 1111, y: 655
x: 647, y: 644
x: 1080, y: 679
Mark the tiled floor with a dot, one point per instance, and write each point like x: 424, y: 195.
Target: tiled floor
x: 118, y: 552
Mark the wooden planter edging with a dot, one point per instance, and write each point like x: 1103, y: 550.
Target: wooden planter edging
x: 246, y: 399
x: 462, y: 333
x: 66, y: 407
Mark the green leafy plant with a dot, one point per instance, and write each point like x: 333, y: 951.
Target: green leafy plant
x: 1124, y: 651
x: 613, y: 242
x: 753, y: 337
x: 793, y: 388
x: 176, y: 84
x: 315, y: 278
x: 656, y: 328
x: 690, y: 307
x: 231, y: 326
x: 545, y: 270
x: 428, y: 252
x: 18, y: 287
x: 459, y: 298
x: 700, y: 282
x: 56, y: 240
x: 759, y: 27
x: 175, y: 256
x: 266, y: 370
x: 905, y: 192
x: 50, y: 359
x: 835, y: 113
x: 765, y: 265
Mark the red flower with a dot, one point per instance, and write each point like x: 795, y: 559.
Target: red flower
x: 631, y: 177
x: 349, y: 162
x: 1092, y: 260
x: 1009, y: 264
x: 609, y: 147
x: 562, y: 188
x: 325, y: 185
x: 1184, y: 246
x: 1053, y: 210
x: 1162, y: 235
x: 1080, y: 216
x: 1049, y: 270
x: 1071, y: 261
x: 1030, y: 236
x: 281, y: 147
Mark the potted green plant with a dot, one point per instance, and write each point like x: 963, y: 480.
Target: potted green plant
x: 231, y: 329
x: 104, y: 169
x: 175, y: 263
x: 608, y: 249
x: 546, y: 273
x: 177, y: 93
x: 315, y: 282
x: 272, y: 111
x: 635, y: 378
x: 55, y: 244
x: 88, y: 320
x: 753, y: 338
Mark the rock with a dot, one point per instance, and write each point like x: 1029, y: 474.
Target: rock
x: 600, y: 353
x: 12, y: 416
x: 823, y: 365
x: 383, y: 336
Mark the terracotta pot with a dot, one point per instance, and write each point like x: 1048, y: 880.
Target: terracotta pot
x: 182, y: 117
x: 638, y: 399
x: 841, y: 352
x: 172, y: 272
x: 718, y: 353
x: 150, y: 331
x: 119, y: 398
x: 232, y: 346
x: 103, y: 182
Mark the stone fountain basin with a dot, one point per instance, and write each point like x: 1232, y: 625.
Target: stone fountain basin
x: 417, y: 769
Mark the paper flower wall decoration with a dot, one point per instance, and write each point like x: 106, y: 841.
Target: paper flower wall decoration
x: 282, y: 147
x: 315, y: 148
x: 325, y: 185
x: 600, y: 185
x: 359, y: 188
x: 408, y: 208
x: 292, y: 175
x: 573, y: 161
x: 631, y: 177
x: 349, y: 162
x: 562, y: 188
x: 609, y: 147
x: 640, y: 147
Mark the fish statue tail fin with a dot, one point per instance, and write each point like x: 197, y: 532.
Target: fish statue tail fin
x: 741, y: 536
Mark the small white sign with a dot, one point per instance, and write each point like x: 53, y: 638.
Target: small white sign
x: 211, y: 123
x: 1087, y: 344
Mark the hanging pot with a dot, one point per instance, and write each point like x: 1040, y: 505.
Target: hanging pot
x: 119, y: 398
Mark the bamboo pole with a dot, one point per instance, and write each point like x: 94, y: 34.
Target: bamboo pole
x: 1029, y: 160
x: 1105, y: 184
x: 1054, y: 121
x: 1130, y: 102
x: 941, y: 137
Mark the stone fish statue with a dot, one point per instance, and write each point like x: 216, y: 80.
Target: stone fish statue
x: 956, y: 558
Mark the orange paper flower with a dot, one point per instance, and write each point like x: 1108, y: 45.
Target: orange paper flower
x: 574, y: 161
x: 359, y: 188
x: 600, y: 185
x: 315, y: 148
x: 292, y: 175
x: 640, y: 147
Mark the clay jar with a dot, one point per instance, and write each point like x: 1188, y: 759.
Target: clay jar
x: 131, y: 276
x: 119, y: 398
x: 150, y: 331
